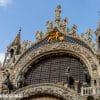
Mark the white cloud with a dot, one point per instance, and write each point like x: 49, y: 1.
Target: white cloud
x: 5, y: 2
x: 2, y: 56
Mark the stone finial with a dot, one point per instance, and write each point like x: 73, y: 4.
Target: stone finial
x: 57, y: 15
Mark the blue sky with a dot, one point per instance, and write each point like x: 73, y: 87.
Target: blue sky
x: 32, y: 15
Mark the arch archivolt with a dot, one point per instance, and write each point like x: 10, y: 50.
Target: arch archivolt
x: 55, y: 90
x: 84, y: 54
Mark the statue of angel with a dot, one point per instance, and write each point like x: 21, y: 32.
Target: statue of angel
x: 24, y: 45
x: 73, y: 29
x: 88, y: 34
x: 64, y: 22
x: 39, y: 35
x: 49, y: 25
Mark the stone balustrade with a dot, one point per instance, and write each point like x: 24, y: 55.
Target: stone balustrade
x: 86, y: 91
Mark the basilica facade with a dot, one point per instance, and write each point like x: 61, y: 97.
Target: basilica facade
x: 60, y: 65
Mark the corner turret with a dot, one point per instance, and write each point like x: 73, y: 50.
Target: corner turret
x: 13, y: 50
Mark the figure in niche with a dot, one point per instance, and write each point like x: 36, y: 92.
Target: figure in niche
x: 49, y: 25
x: 24, y: 45
x: 88, y: 34
x: 73, y: 30
x: 21, y: 81
x: 7, y: 85
x: 39, y: 36
x: 87, y: 77
x: 63, y: 24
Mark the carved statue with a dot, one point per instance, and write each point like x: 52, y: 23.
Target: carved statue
x: 7, y: 85
x: 29, y: 44
x: 73, y: 30
x: 82, y: 35
x: 39, y: 35
x: 24, y: 45
x: 68, y: 73
x: 49, y: 25
x: 88, y: 34
x: 21, y: 81
x: 55, y: 36
x: 57, y: 15
x: 64, y: 22
x: 87, y: 77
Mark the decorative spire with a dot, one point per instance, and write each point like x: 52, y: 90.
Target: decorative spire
x: 17, y: 38
x: 57, y: 15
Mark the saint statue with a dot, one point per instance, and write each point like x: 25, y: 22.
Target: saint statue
x: 64, y: 22
x: 68, y: 73
x: 24, y: 45
x: 87, y: 77
x: 57, y: 15
x: 57, y: 12
x: 73, y: 30
x: 88, y: 34
x: 49, y: 25
x: 39, y: 35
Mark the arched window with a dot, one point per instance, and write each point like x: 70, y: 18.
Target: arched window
x: 52, y: 69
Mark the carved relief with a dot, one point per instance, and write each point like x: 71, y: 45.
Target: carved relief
x: 49, y: 89
x: 83, y: 53
x: 55, y: 35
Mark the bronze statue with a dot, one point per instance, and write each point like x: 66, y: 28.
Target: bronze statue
x: 68, y: 73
